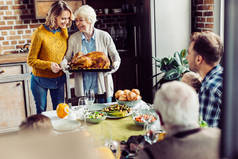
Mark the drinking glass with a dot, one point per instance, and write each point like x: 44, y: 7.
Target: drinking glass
x: 90, y: 96
x: 82, y: 103
x: 151, y: 136
x: 150, y: 133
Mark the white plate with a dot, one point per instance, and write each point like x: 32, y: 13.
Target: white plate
x: 116, y: 117
x: 65, y: 125
x: 97, y: 106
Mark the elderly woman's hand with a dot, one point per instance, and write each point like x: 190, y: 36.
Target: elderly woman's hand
x: 55, y: 67
x: 64, y: 64
x: 115, y: 67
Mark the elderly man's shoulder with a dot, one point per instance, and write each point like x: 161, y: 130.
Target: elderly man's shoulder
x: 215, y: 132
x: 190, y: 145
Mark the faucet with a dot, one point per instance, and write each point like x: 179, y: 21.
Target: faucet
x: 25, y: 48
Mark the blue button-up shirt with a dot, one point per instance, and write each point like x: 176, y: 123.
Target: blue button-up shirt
x: 89, y: 78
x: 53, y: 31
x: 210, y: 96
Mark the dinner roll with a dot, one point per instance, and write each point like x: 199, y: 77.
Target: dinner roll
x: 123, y: 97
x: 126, y: 91
x: 118, y: 93
x: 138, y: 97
x: 136, y: 91
x: 131, y: 96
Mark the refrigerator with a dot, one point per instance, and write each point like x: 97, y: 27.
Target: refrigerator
x: 149, y: 28
x: 161, y: 28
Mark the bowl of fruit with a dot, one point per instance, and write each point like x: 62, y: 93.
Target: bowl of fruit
x: 96, y: 117
x: 128, y: 97
x: 141, y: 119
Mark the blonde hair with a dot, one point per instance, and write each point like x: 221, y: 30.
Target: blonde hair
x: 56, y: 9
x: 178, y: 104
x: 86, y: 11
x: 193, y: 79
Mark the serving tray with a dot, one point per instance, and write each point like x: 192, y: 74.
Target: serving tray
x: 89, y: 70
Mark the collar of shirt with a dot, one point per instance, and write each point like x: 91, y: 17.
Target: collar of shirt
x: 54, y: 30
x: 88, y: 46
x: 84, y: 38
x: 213, y: 71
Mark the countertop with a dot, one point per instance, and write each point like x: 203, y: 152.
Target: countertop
x: 13, y: 58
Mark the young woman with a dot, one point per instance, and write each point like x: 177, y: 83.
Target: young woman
x: 48, y: 47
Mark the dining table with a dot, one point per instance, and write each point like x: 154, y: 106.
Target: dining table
x: 119, y: 129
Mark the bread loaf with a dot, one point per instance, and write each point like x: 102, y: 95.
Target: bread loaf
x: 136, y: 91
x: 131, y: 96
x: 123, y: 97
x: 118, y: 93
x: 127, y: 95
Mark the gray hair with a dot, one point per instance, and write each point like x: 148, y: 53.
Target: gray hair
x: 86, y: 11
x: 178, y: 104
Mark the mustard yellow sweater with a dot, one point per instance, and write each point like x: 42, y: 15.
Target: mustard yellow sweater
x: 47, y: 47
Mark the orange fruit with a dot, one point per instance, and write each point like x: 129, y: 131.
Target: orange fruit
x: 105, y: 152
x: 62, y: 110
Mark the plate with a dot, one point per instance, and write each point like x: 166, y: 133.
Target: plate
x: 117, y: 117
x: 65, y: 124
x: 118, y: 111
x: 97, y: 107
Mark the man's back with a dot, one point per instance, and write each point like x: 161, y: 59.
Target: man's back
x: 210, y: 96
x: 199, y: 144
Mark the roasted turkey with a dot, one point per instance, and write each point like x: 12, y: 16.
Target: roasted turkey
x: 92, y: 60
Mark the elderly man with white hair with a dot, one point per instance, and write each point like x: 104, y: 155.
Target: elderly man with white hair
x: 86, y: 40
x: 178, y: 106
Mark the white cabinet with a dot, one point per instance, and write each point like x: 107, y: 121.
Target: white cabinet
x: 14, y: 98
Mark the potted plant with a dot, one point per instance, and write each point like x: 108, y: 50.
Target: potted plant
x: 172, y: 68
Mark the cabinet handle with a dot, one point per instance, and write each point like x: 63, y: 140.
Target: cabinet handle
x: 2, y: 71
x: 18, y: 84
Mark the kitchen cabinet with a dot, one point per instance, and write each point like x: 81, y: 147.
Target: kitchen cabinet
x: 14, y: 99
x: 42, y: 6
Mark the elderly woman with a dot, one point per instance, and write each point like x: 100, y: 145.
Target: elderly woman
x: 86, y: 40
x: 178, y: 105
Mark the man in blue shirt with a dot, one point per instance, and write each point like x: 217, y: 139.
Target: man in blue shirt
x: 204, y: 55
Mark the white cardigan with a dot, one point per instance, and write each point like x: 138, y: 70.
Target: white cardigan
x: 104, y: 43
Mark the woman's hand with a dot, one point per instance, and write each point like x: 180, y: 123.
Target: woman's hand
x: 64, y: 64
x: 115, y: 66
x: 55, y: 67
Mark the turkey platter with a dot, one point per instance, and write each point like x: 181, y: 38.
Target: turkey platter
x: 92, y: 60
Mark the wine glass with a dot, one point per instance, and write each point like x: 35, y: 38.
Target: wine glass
x: 82, y: 103
x: 151, y: 135
x: 91, y: 96
x: 150, y: 132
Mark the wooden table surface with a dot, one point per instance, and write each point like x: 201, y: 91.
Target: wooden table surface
x: 13, y: 58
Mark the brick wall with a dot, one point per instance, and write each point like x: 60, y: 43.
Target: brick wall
x: 17, y: 23
x: 202, y: 15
